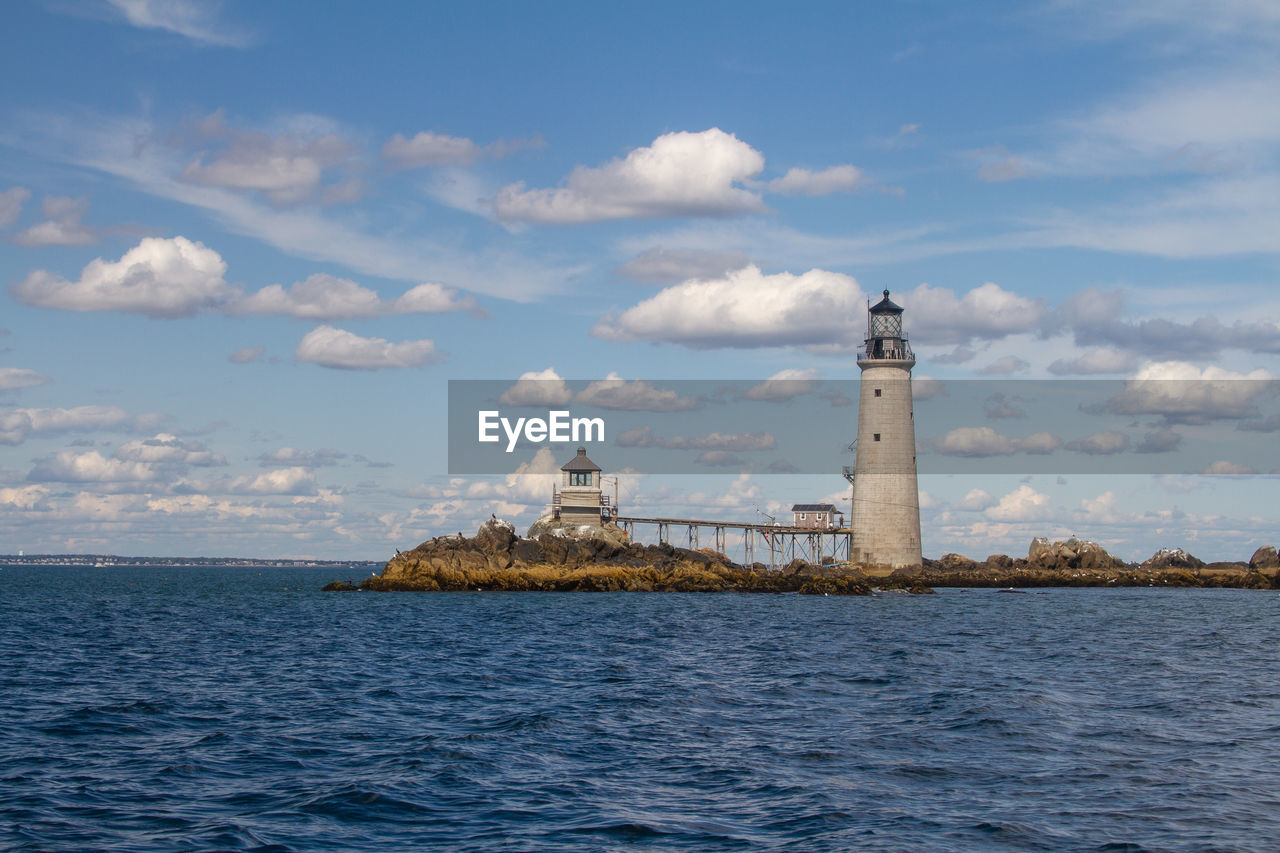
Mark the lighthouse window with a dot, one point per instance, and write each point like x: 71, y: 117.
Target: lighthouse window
x: 579, y: 478
x: 877, y: 392
x: 877, y: 436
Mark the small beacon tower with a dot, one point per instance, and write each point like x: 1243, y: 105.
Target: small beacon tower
x: 580, y: 499
x: 886, y: 500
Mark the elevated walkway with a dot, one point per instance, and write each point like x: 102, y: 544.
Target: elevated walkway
x: 783, y: 543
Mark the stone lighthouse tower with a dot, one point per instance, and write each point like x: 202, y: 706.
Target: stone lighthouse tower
x: 886, y: 503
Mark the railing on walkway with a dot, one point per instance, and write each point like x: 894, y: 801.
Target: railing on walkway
x: 783, y: 543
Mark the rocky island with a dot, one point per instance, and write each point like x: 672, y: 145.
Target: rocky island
x: 1077, y: 562
x: 601, y: 559
x: 595, y: 559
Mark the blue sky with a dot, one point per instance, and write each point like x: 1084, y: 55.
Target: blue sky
x: 244, y: 247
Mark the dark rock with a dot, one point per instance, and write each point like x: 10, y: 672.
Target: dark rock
x: 1171, y: 558
x: 495, y: 537
x: 340, y: 586
x: 528, y: 551
x: 834, y: 586
x: 956, y: 562
x: 796, y: 567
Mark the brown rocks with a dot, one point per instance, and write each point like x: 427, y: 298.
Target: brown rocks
x: 1265, y: 558
x: 496, y: 559
x: 495, y: 537
x: 847, y: 585
x: 956, y: 562
x: 1076, y: 562
x: 1039, y: 546
x: 601, y: 559
x: 1069, y: 554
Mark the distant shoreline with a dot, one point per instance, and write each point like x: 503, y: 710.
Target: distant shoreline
x: 107, y: 561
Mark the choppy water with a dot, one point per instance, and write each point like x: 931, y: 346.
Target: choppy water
x: 192, y: 709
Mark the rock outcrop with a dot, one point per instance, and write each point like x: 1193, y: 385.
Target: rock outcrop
x: 1069, y: 555
x: 1265, y: 559
x: 1171, y: 558
x: 1076, y: 562
x: 581, y: 560
x: 555, y: 527
x: 600, y: 558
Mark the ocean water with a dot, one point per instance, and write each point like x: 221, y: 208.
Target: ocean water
x: 242, y: 709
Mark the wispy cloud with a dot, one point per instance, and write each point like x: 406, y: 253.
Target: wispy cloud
x: 131, y: 149
x: 198, y: 21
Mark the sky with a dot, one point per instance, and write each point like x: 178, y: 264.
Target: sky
x: 245, y: 247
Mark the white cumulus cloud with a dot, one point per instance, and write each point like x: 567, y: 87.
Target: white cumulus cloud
x: 160, y: 277
x: 430, y: 298
x: 1022, y: 504
x: 976, y: 500
x: 326, y: 297
x: 747, y: 308
x: 537, y: 388
x: 90, y: 467
x: 680, y: 174
x: 987, y: 312
x: 282, y: 481
x: 331, y: 347
x: 1184, y: 393
x: 167, y: 449
x: 24, y: 497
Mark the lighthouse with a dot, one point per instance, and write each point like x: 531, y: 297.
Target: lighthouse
x: 886, y: 500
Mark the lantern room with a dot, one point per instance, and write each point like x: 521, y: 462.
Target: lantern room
x: 885, y: 338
